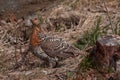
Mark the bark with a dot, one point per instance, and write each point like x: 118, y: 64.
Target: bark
x: 108, y: 51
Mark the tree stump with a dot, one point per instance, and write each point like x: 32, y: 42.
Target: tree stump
x: 108, y: 51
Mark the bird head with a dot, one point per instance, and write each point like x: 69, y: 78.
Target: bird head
x: 35, y: 21
x: 36, y: 25
x: 32, y: 20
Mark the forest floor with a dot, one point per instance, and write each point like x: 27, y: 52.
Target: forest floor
x: 70, y: 19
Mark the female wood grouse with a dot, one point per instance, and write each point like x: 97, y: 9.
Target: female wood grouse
x: 54, y: 48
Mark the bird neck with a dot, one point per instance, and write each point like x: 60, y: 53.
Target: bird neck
x: 34, y: 40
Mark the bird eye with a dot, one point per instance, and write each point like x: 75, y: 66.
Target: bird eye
x: 35, y: 19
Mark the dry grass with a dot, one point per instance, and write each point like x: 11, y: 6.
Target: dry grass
x: 87, y: 12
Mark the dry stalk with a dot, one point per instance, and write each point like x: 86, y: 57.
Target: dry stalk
x: 5, y: 33
x: 108, y: 17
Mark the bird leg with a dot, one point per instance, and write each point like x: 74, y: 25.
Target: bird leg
x: 51, y: 62
x: 43, y: 56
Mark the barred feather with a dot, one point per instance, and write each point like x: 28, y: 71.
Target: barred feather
x: 57, y: 47
x: 53, y: 47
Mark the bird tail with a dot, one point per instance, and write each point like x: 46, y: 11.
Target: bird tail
x: 75, y: 51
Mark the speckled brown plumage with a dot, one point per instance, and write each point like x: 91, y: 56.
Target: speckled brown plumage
x: 53, y: 47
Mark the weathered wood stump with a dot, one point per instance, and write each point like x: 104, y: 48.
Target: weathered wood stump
x: 108, y: 51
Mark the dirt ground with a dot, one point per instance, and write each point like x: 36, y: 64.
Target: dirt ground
x: 23, y: 8
x: 57, y: 10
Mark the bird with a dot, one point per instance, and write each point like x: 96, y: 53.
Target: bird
x: 50, y: 48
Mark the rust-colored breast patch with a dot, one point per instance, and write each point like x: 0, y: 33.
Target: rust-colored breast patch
x: 34, y: 40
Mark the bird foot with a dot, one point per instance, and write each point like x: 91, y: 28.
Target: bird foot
x: 52, y: 64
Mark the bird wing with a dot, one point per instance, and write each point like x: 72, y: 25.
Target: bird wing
x: 53, y: 45
x: 57, y: 47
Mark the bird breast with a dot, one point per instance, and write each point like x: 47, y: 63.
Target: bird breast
x: 34, y: 40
